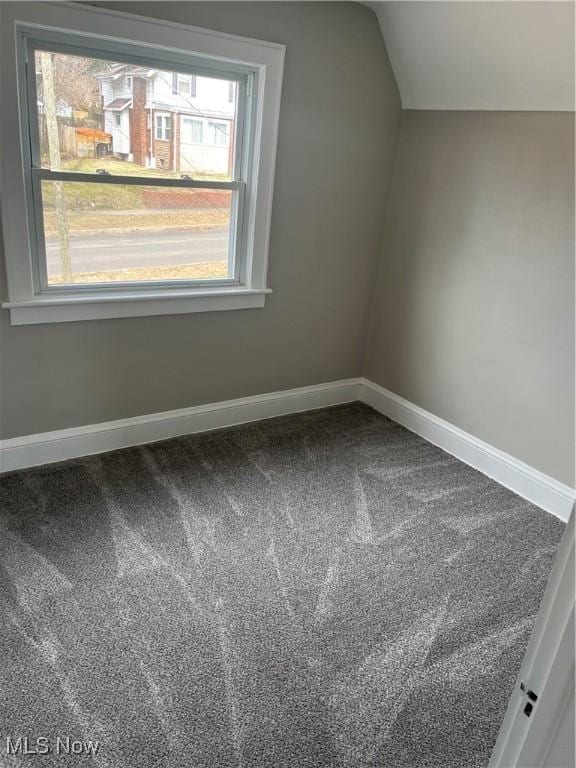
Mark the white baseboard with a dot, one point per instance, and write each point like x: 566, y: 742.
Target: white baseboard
x: 535, y: 486
x: 49, y: 447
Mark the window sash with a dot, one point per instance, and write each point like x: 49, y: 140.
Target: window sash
x: 183, y: 85
x: 189, y: 81
x: 144, y: 181
x: 59, y: 43
x: 237, y: 250
x: 236, y: 265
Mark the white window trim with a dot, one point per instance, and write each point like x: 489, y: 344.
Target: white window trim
x: 188, y: 79
x: 166, y: 122
x: 265, y: 60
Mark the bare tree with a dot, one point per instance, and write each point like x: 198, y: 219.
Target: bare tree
x: 75, y: 82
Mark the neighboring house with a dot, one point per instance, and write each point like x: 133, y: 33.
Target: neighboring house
x: 169, y: 120
x: 63, y: 109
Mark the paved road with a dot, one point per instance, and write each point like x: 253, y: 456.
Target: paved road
x: 94, y: 253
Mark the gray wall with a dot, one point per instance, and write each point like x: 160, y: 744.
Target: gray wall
x: 473, y: 313
x: 339, y: 120
x: 562, y: 751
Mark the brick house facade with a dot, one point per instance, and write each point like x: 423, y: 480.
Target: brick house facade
x: 139, y: 131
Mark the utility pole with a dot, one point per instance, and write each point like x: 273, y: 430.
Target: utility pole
x: 49, y: 99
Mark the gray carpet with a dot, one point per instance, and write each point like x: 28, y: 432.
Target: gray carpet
x: 319, y: 590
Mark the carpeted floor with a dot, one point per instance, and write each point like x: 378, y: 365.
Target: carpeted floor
x: 322, y: 590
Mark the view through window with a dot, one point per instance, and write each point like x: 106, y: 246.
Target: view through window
x: 170, y: 136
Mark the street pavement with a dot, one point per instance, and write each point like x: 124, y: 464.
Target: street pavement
x: 130, y: 250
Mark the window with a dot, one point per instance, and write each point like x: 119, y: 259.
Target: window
x: 163, y: 127
x: 192, y: 131
x: 186, y: 85
x: 231, y: 91
x: 218, y: 133
x: 171, y: 214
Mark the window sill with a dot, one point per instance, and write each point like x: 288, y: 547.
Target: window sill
x: 61, y: 308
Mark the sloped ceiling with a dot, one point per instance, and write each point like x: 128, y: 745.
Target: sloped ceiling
x: 481, y: 54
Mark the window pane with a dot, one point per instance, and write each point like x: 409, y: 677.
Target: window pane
x: 184, y: 86
x: 192, y: 130
x: 101, y: 233
x: 218, y: 133
x: 128, y: 119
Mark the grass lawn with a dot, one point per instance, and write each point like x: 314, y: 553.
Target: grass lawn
x: 125, y: 168
x: 112, y: 165
x: 201, y: 271
x: 79, y: 222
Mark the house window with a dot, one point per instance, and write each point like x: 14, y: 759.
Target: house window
x: 218, y: 133
x: 163, y: 127
x: 192, y: 131
x: 64, y: 265
x: 186, y: 85
x: 231, y: 90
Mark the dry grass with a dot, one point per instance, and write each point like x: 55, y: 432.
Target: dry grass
x: 201, y: 271
x: 125, y: 168
x: 137, y: 222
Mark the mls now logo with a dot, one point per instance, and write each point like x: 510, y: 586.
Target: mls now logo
x: 64, y: 745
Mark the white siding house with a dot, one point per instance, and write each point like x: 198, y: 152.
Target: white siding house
x: 179, y: 122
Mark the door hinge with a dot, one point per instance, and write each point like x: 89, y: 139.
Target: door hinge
x: 531, y: 695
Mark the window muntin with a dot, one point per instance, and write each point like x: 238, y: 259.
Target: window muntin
x: 207, y: 153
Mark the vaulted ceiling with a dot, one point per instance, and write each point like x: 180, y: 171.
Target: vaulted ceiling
x: 481, y: 54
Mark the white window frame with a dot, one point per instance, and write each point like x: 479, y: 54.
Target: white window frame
x: 258, y: 68
x: 165, y: 126
x: 191, y: 82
